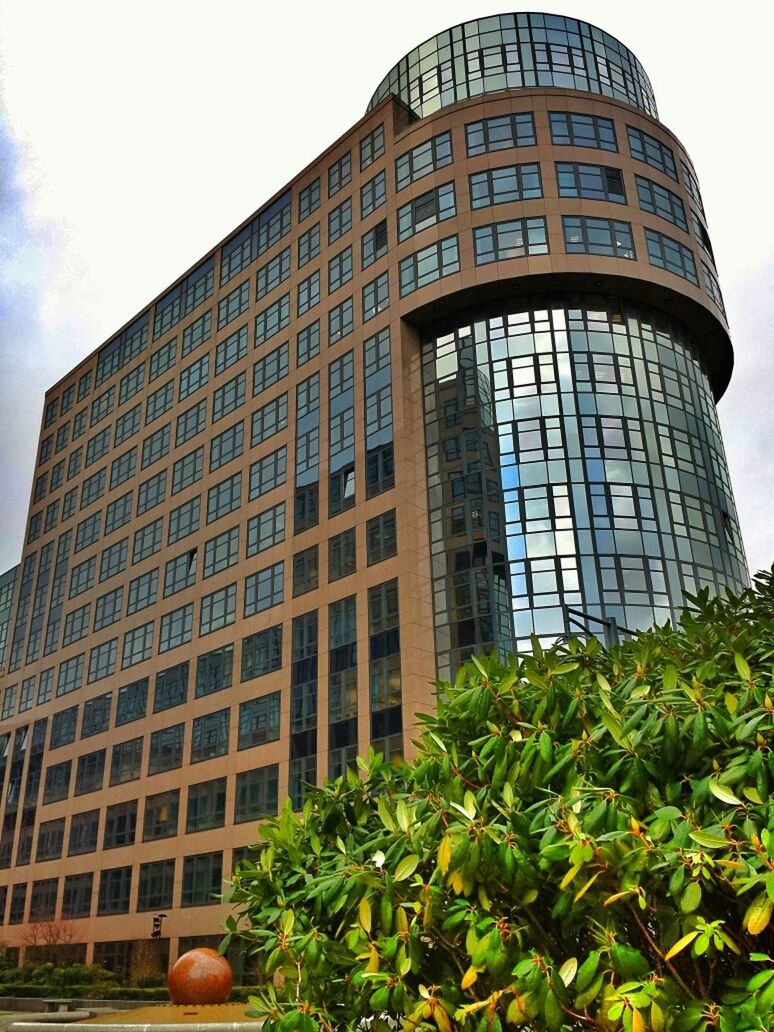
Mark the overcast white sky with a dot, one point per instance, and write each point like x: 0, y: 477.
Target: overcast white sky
x: 134, y: 136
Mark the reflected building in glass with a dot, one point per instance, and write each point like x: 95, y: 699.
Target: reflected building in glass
x: 452, y: 386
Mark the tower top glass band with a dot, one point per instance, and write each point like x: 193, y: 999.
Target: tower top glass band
x: 516, y: 51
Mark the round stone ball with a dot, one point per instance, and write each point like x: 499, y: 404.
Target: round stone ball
x: 200, y: 976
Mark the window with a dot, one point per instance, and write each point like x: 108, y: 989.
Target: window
x: 159, y: 402
x: 691, y: 184
x: 18, y: 904
x: 268, y: 472
x: 206, y: 805
x: 191, y: 422
x: 259, y: 721
x: 76, y: 899
x: 187, y: 470
x: 126, y: 761
x: 63, y: 725
x: 84, y: 385
x: 503, y: 240
x: 118, y: 513
x: 218, y: 610
x: 70, y: 675
x: 57, y: 474
x: 197, y: 333
x: 166, y: 749
x: 67, y: 399
x: 120, y: 825
x: 261, y: 653
x: 436, y: 205
x: 176, y: 628
x: 114, y: 890
x: 183, y: 520
x: 221, y: 552
x: 339, y: 270
x: 380, y: 470
x: 127, y: 426
x: 43, y: 899
x: 272, y: 319
x: 647, y: 148
x: 373, y: 194
x: 257, y: 793
x: 712, y: 285
x: 376, y: 296
x: 202, y: 878
x: 180, y: 573
x: 340, y: 320
x: 155, y: 446
x: 46, y: 685
x: 660, y: 201
x: 270, y: 369
x: 264, y: 589
x: 76, y: 625
x: 87, y: 531
x: 597, y: 236
x: 68, y: 508
x: 309, y: 245
x: 162, y: 359
x: 82, y: 577
x: 83, y: 833
x: 210, y: 736
x: 194, y: 377
x: 214, y: 671
x: 272, y: 274
x: 224, y: 497
x: 231, y: 350
x: 102, y: 406
x: 57, y: 784
x: 138, y: 645
x: 123, y: 468
x: 228, y: 397
x: 131, y: 383
x: 493, y: 134
x: 569, y: 129
x: 269, y: 419
x: 373, y: 244
x: 51, y: 412
x: 372, y: 147
x: 79, y: 424
x: 669, y: 254
x: 233, y: 304
x: 97, y: 446
x: 152, y: 492
x: 107, y: 610
x: 171, y: 687
x: 428, y: 265
x: 504, y: 185
x: 52, y: 515
x: 184, y: 298
x: 339, y: 174
x: 102, y: 660
x: 308, y: 293
x: 50, y: 840
x: 341, y: 555
x: 40, y: 487
x: 423, y: 159
x: 309, y: 200
x: 132, y: 702
x: 90, y: 773
x: 161, y: 813
x: 147, y: 540
x: 597, y: 182
x: 340, y: 221
x: 266, y: 529
x: 157, y: 880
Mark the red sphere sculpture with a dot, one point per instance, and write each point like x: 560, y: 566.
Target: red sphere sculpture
x: 200, y: 976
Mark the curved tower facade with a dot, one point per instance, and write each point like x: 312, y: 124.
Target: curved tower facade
x: 452, y: 386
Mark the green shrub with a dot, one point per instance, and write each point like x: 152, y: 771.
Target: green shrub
x: 584, y: 841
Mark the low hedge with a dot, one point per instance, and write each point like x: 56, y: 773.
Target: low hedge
x: 239, y: 993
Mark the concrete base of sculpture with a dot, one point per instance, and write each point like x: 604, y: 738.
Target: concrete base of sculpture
x: 212, y: 1017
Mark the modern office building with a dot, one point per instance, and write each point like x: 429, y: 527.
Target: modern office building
x: 455, y: 381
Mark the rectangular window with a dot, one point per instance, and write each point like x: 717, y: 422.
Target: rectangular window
x: 270, y: 369
x: 64, y: 724
x: 569, y: 129
x: 340, y: 320
x: 713, y: 287
x: 206, y: 805
x: 584, y: 235
x: 261, y: 653
x: 188, y: 470
x: 505, y: 185
x: 596, y: 182
x: 372, y: 147
x: 272, y: 274
x: 87, y: 531
x: 102, y: 660
x: 339, y: 269
x: 257, y: 794
x: 161, y: 813
x: 647, y: 148
x: 184, y: 298
x: 691, y: 184
x: 74, y: 462
x: 214, y: 671
x: 266, y: 529
x: 662, y: 202
x: 272, y: 319
x: 309, y: 200
x: 218, y: 610
x: 171, y: 687
x: 132, y: 702
x: 126, y: 761
x: 166, y: 749
x: 83, y: 833
x: 339, y: 174
x: 162, y: 359
x: 264, y: 589
x: 669, y: 254
x: 231, y: 350
x: 155, y: 446
x: 76, y: 625
x: 309, y: 245
x: 57, y: 782
x: 183, y: 520
x: 268, y: 472
x: 115, y: 887
x: 127, y: 426
x: 210, y: 736
x: 423, y: 159
x: 376, y: 296
x: 503, y: 240
x: 90, y: 773
x: 341, y: 555
x: 131, y: 383
x: 228, y: 397
x: 308, y: 343
x: 259, y: 721
x: 501, y: 133
x: 152, y: 492
x: 120, y: 825
x: 194, y: 377
x: 157, y: 881
x: 159, y: 402
x: 50, y: 840
x: 226, y: 446
x: 221, y: 552
x: 97, y: 446
x: 340, y: 221
x: 197, y: 333
x: 122, y: 468
x: 224, y: 497
x: 191, y: 422
x: 52, y: 516
x: 108, y: 609
x: 436, y: 205
x: 233, y: 304
x: 428, y: 265
x: 79, y: 424
x: 102, y: 406
x: 373, y: 244
x: 308, y: 293
x: 373, y: 194
x: 138, y: 645
x: 147, y: 541
x: 176, y: 628
x: 202, y: 879
x: 82, y: 577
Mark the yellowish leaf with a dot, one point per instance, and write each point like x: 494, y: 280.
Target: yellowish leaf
x: 445, y: 853
x: 469, y: 978
x: 680, y: 945
x: 758, y: 914
x: 364, y: 914
x: 585, y: 888
x: 723, y: 793
x: 571, y: 874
